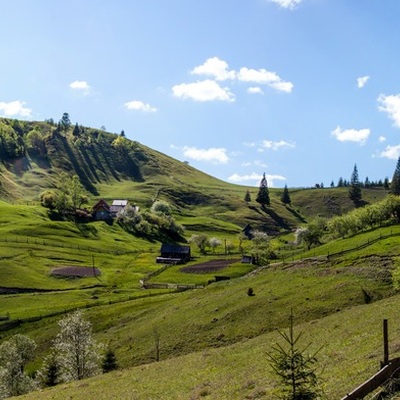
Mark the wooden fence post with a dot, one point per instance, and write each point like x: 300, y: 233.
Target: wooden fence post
x: 385, y: 343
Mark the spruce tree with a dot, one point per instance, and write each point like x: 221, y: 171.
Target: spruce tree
x: 355, y: 187
x: 263, y: 193
x: 395, y: 184
x: 285, y: 198
x: 247, y: 197
x: 109, y: 362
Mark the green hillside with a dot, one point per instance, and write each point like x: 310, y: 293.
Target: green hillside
x: 215, y: 338
x: 35, y: 154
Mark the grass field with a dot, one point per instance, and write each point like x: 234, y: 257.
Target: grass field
x: 351, y: 350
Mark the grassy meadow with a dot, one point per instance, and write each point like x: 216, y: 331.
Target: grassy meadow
x: 213, y: 341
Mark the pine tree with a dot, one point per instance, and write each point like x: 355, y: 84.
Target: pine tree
x: 65, y: 122
x: 285, y: 198
x: 109, y: 361
x: 355, y: 187
x: 263, y: 193
x: 247, y: 197
x: 386, y: 184
x: 395, y: 184
x: 295, y: 367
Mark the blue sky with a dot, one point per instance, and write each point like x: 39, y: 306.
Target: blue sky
x: 299, y: 89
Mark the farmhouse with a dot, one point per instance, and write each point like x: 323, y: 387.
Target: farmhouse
x: 117, y: 206
x: 101, y: 211
x: 174, y: 254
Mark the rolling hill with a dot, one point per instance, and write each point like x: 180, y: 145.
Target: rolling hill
x: 213, y: 339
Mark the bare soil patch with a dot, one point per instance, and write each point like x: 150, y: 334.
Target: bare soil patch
x: 75, y: 272
x: 208, y: 267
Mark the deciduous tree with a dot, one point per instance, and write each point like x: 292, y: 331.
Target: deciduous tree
x: 201, y: 241
x: 76, y: 349
x: 214, y: 243
x: 14, y: 355
x: 260, y: 247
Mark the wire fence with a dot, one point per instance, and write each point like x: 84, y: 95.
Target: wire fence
x: 302, y: 253
x: 29, y: 241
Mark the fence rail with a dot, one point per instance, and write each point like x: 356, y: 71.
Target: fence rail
x: 391, y: 370
x: 301, y: 254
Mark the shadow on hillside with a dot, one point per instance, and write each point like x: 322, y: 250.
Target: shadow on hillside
x: 18, y: 166
x: 296, y: 214
x: 281, y: 222
x: 87, y: 230
x: 83, y: 177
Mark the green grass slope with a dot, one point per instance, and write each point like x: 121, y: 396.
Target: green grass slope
x: 34, y: 155
x: 350, y: 342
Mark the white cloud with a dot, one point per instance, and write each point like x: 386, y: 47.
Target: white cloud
x: 362, y: 80
x: 256, y: 178
x: 351, y: 135
x: 250, y: 144
x: 289, y: 4
x: 213, y: 155
x: 391, y: 106
x: 207, y: 90
x: 391, y: 152
x: 262, y: 76
x: 15, y: 108
x: 215, y: 68
x: 255, y: 90
x: 382, y: 139
x: 80, y: 85
x: 269, y: 144
x: 139, y: 106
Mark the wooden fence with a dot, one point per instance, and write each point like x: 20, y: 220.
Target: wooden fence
x: 389, y: 370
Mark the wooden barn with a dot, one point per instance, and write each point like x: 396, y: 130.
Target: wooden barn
x: 101, y: 211
x: 174, y: 254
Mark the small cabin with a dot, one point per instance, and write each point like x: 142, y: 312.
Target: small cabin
x: 174, y: 254
x: 247, y: 259
x: 117, y: 206
x: 101, y: 211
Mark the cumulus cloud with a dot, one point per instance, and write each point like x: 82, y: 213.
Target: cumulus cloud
x: 216, y: 68
x: 391, y: 152
x: 255, y: 90
x: 213, y: 154
x: 289, y: 4
x: 15, y: 108
x: 269, y: 144
x: 138, y: 105
x: 207, y: 90
x: 256, y: 178
x: 351, y: 135
x: 82, y: 86
x: 391, y: 106
x: 362, y: 80
x: 262, y: 76
x: 382, y: 139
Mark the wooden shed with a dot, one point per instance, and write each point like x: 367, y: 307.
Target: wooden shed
x: 174, y: 254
